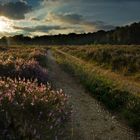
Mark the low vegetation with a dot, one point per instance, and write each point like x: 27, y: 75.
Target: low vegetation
x: 29, y: 107
x: 104, y: 89
x: 121, y: 59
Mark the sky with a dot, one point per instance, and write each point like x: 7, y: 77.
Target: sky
x: 49, y: 17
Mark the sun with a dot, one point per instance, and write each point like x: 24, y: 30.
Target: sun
x: 5, y: 25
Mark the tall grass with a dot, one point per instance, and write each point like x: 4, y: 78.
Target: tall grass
x: 122, y: 59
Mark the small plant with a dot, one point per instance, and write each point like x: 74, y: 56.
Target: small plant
x: 39, y: 56
x: 32, y: 70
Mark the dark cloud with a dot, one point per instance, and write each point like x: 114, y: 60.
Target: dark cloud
x: 35, y: 19
x: 69, y: 15
x: 91, y: 1
x: 42, y: 28
x: 16, y: 10
x: 67, y: 18
x: 76, y: 19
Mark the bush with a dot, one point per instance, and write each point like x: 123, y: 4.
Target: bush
x: 39, y: 56
x: 24, y: 69
x: 32, y: 70
x: 31, y: 111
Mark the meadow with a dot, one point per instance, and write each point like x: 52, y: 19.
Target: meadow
x: 124, y: 59
x: 29, y: 107
x: 110, y: 73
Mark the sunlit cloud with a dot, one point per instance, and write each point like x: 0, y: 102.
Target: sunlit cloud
x: 77, y: 20
x: 42, y: 28
x: 40, y: 17
x: 6, y: 25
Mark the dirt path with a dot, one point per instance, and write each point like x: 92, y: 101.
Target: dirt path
x: 90, y: 121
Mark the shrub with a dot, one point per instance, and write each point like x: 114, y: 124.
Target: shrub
x: 39, y: 56
x: 24, y: 69
x: 31, y: 111
x: 32, y: 70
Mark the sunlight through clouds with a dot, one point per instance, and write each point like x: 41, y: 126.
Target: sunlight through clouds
x: 6, y: 24
x: 84, y: 15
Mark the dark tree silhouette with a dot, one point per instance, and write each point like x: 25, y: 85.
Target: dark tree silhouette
x: 121, y: 35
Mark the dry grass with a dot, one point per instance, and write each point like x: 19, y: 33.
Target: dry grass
x: 124, y: 60
x: 123, y: 82
x: 117, y: 92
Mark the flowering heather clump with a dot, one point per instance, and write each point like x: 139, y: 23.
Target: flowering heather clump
x: 39, y: 56
x: 31, y: 111
x: 24, y: 69
x: 37, y: 52
x: 32, y: 70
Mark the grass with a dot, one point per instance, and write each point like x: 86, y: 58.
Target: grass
x: 122, y: 59
x: 116, y: 98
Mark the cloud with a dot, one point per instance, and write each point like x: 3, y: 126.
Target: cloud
x: 16, y: 10
x: 90, y: 1
x: 69, y: 18
x: 79, y: 20
x: 41, y: 28
x: 35, y: 19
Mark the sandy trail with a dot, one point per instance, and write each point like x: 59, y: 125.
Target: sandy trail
x: 90, y: 121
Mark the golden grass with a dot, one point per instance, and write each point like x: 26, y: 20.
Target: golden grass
x: 123, y: 82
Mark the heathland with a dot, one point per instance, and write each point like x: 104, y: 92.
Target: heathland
x: 70, y: 92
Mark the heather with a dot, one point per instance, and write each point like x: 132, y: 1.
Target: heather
x: 31, y: 111
x: 29, y: 107
x: 25, y: 63
x: 25, y: 69
x: 122, y: 59
x: 39, y: 55
x: 119, y: 95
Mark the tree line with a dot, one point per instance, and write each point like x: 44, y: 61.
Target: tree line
x: 127, y: 35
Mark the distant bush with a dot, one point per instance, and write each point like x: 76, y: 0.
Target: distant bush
x: 30, y: 111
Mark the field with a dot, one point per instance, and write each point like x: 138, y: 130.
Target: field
x: 32, y: 108
x: 69, y: 70
x: 29, y: 107
x: 110, y: 73
x: 121, y: 59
